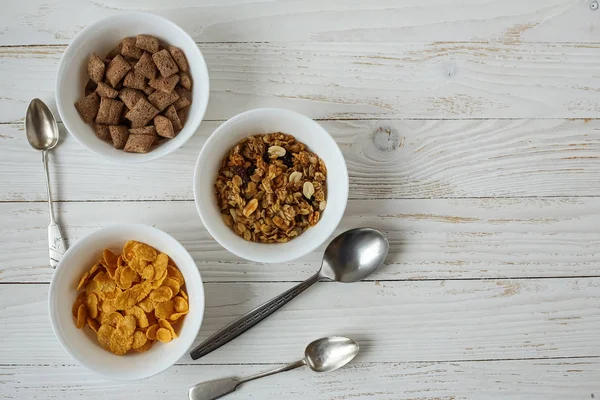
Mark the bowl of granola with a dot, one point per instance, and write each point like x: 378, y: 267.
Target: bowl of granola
x: 270, y: 185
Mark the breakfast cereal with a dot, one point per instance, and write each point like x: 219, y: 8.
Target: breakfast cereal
x: 146, y: 66
x: 165, y: 63
x: 119, y: 135
x: 164, y: 126
x: 135, y: 82
x: 88, y: 107
x: 162, y: 100
x: 139, y: 143
x: 271, y: 188
x: 104, y: 90
x: 179, y: 58
x: 185, y: 81
x: 109, y: 112
x: 148, y: 43
x: 173, y: 116
x: 131, y: 300
x: 96, y: 68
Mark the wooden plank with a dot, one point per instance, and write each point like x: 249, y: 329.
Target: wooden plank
x: 386, y: 159
x: 430, y: 239
x: 531, y: 379
x: 370, y: 80
x: 393, y: 321
x: 35, y: 22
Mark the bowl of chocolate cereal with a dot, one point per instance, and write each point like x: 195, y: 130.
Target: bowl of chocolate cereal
x: 132, y: 87
x: 271, y: 185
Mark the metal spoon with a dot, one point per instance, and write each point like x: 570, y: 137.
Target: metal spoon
x: 42, y: 134
x: 350, y: 257
x: 322, y: 355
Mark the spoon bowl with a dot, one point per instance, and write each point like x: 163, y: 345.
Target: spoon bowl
x: 40, y: 126
x: 330, y: 353
x: 354, y: 255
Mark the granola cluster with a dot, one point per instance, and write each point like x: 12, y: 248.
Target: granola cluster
x: 270, y: 188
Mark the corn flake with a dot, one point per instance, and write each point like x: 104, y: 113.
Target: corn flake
x: 161, y: 294
x: 167, y: 325
x: 78, y: 301
x: 164, y: 335
x: 108, y: 306
x: 91, y: 302
x: 140, y: 316
x: 126, y: 277
x: 151, y: 331
x: 175, y: 274
x: 132, y: 296
x: 120, y: 343
x: 145, y: 347
x: 81, y: 316
x: 148, y: 272
x: 164, y: 310
x: 160, y: 265
x: 159, y: 281
x: 175, y: 316
x: 93, y: 324
x: 172, y: 283
x: 104, y: 334
x: 128, y: 252
x: 139, y: 339
x: 147, y: 305
x: 110, y: 296
x: 84, y: 280
x: 181, y: 304
x: 144, y: 252
x: 110, y: 259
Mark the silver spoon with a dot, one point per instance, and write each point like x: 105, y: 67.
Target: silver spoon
x: 42, y: 134
x: 350, y: 257
x: 322, y: 355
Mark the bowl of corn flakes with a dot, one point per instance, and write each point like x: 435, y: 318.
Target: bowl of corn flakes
x: 126, y: 301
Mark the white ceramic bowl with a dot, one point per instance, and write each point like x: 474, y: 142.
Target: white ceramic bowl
x: 82, y: 344
x: 103, y: 36
x: 260, y: 121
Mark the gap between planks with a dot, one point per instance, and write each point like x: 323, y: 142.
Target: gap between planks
x: 520, y: 278
x: 491, y: 360
x: 432, y: 42
x: 583, y: 196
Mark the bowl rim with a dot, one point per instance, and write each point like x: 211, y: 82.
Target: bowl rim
x: 268, y: 256
x: 53, y: 312
x: 81, y: 37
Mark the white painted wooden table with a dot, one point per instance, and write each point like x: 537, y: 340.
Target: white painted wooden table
x: 471, y: 135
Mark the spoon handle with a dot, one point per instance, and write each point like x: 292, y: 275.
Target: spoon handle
x: 56, y: 243
x: 252, y: 318
x: 211, y: 390
x: 48, y: 189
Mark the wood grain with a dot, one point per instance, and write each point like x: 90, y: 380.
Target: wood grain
x: 37, y: 22
x: 386, y: 159
x: 430, y: 239
x: 393, y: 321
x: 381, y: 80
x: 547, y: 379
